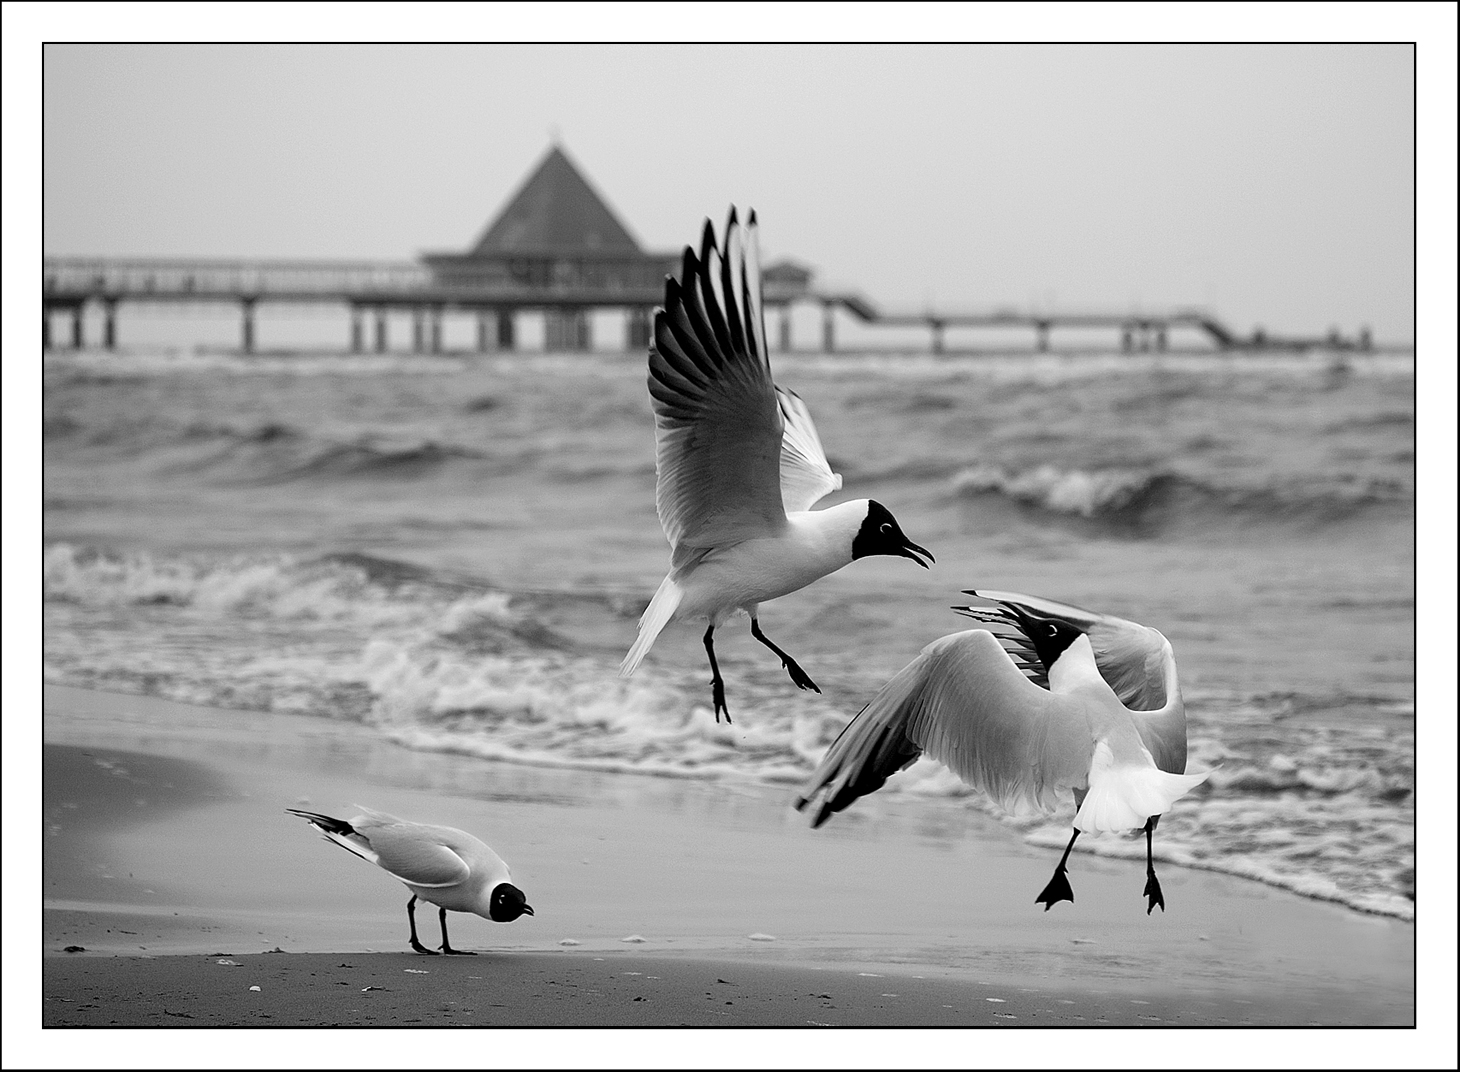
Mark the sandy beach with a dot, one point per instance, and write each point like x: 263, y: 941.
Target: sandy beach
x: 178, y: 893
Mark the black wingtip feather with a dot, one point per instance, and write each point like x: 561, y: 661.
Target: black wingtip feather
x: 324, y: 822
x: 689, y: 265
x: 719, y: 330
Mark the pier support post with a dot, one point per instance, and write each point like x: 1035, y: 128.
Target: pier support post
x: 248, y: 304
x: 436, y: 315
x: 506, y: 330
x: 937, y: 326
x: 637, y: 328
x: 357, y: 330
x: 1041, y: 336
x: 484, y: 333
x: 828, y: 328
x: 77, y: 336
x: 382, y: 341
x: 109, y: 324
x: 1161, y: 339
x: 45, y: 327
x: 1127, y: 343
x: 786, y: 328
x: 568, y: 330
x: 418, y: 330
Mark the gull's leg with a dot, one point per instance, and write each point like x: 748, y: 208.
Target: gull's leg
x: 1059, y: 886
x: 446, y: 942
x: 798, y: 676
x: 717, y: 683
x: 416, y: 942
x: 1153, y: 888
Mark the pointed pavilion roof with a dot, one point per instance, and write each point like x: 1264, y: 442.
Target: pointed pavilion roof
x: 555, y: 212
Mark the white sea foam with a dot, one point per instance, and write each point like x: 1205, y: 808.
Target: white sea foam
x: 1074, y: 491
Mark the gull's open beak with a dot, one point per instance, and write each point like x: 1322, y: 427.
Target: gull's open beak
x: 528, y: 909
x: 912, y: 550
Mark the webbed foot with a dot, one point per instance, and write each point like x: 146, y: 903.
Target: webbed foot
x: 717, y: 691
x: 799, y: 677
x: 1058, y: 890
x: 1153, y: 891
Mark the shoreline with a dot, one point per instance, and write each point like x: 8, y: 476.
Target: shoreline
x: 166, y: 821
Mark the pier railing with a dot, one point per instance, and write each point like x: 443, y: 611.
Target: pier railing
x: 162, y: 278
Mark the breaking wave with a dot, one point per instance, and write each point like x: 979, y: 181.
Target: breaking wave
x: 1157, y: 499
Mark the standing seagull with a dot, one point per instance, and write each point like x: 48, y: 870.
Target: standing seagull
x: 446, y: 866
x: 739, y: 462
x: 1072, y: 700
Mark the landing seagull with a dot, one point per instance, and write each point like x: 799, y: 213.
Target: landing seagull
x: 739, y: 462
x: 441, y: 864
x: 1063, y: 699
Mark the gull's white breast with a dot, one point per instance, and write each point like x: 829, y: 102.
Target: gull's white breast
x: 813, y: 544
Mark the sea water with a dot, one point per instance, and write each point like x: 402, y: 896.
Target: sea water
x: 455, y: 550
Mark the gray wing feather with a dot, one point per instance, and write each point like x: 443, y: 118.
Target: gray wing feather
x: 1135, y: 660
x: 965, y: 703
x: 1130, y: 657
x: 806, y: 475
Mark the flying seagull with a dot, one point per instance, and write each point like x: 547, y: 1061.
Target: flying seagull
x: 739, y: 462
x: 441, y: 864
x: 1061, y: 700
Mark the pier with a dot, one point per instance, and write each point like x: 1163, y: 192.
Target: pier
x: 373, y: 290
x: 557, y: 249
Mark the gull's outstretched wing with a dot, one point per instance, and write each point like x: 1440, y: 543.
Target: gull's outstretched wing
x: 718, y: 426
x: 965, y: 703
x: 1135, y: 660
x: 806, y: 475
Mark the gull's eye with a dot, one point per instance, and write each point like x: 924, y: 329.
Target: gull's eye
x: 1054, y: 630
x: 886, y: 528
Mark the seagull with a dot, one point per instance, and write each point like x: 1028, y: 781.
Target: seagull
x: 1063, y: 699
x: 739, y: 463
x: 446, y: 866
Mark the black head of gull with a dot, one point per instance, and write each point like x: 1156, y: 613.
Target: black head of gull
x: 1051, y: 637
x: 880, y: 534
x: 508, y: 902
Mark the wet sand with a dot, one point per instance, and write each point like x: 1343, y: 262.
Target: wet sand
x: 170, y: 862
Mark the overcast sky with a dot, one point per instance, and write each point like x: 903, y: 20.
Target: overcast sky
x: 1273, y: 184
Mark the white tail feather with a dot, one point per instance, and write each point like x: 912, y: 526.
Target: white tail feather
x: 656, y: 616
x: 1124, y: 797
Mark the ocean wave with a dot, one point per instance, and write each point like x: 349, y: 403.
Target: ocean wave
x: 1154, y: 499
x: 1108, y: 493
x: 439, y: 666
x: 137, y: 435
x: 363, y: 460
